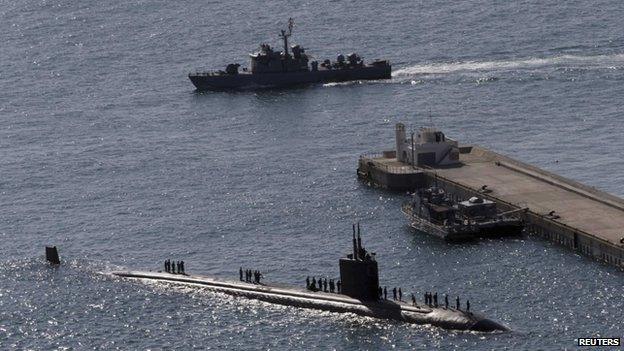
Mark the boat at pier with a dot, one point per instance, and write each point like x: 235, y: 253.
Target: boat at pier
x: 270, y: 68
x: 432, y: 211
x: 358, y: 292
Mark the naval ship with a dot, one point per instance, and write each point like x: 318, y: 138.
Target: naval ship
x: 270, y: 68
x: 433, y: 212
x: 359, y: 293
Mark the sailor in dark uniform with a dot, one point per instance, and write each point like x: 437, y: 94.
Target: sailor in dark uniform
x: 394, y: 296
x: 339, y: 285
x: 435, y: 299
x: 400, y: 295
x: 380, y: 292
x: 467, y: 306
x: 320, y: 284
x: 457, y: 302
x: 385, y: 293
x: 240, y: 273
x: 325, y: 285
x: 446, y: 301
x: 313, y: 285
x: 182, y: 267
x: 308, y: 283
x: 413, y: 300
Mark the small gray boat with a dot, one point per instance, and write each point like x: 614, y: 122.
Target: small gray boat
x: 433, y: 212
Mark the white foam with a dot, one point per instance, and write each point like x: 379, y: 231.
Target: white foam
x: 599, y: 61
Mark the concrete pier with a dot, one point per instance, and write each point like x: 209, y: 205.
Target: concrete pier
x: 579, y: 217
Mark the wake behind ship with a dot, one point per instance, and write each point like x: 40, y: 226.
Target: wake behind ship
x: 270, y: 68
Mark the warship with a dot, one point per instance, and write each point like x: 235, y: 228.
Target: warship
x: 433, y: 212
x: 270, y: 69
x: 358, y: 292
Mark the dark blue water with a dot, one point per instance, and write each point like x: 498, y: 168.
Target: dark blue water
x: 107, y: 152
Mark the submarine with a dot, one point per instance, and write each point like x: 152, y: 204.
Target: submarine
x: 359, y: 293
x: 274, y: 69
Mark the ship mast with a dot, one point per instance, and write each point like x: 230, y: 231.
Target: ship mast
x: 285, y: 35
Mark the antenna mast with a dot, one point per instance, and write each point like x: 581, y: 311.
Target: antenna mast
x: 430, y: 119
x: 285, y: 35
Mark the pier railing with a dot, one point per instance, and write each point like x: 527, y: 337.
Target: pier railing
x: 372, y: 154
x: 389, y: 168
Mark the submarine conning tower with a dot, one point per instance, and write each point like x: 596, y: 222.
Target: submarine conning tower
x: 359, y: 274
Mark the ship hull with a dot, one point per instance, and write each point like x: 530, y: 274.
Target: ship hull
x: 206, y: 81
x: 422, y: 314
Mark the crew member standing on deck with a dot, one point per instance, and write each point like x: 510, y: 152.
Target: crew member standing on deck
x: 467, y: 305
x: 457, y: 302
x: 339, y: 285
x: 400, y: 295
x: 385, y: 293
x: 446, y: 300
x: 394, y: 292
x: 240, y: 273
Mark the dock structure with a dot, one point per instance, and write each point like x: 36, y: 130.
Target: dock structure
x: 579, y: 217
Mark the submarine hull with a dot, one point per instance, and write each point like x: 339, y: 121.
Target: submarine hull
x: 246, y: 80
x: 420, y: 314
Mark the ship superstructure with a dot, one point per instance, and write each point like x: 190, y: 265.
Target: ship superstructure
x: 432, y: 211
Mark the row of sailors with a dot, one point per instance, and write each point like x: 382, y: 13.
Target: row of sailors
x: 173, y: 266
x: 250, y: 276
x: 432, y: 300
x: 384, y: 293
x: 322, y: 285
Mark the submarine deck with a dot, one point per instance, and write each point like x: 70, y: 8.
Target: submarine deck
x: 264, y: 288
x: 395, y: 310
x: 585, y: 219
